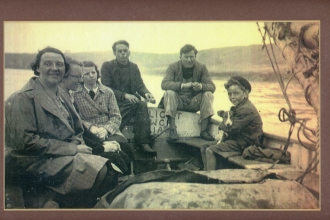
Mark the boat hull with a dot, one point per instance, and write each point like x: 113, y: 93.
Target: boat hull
x: 270, y: 194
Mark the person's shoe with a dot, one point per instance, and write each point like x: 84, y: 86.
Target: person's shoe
x: 173, y: 135
x: 147, y: 148
x: 206, y: 136
x: 51, y: 205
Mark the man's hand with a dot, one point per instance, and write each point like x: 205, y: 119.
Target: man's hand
x: 84, y: 149
x: 197, y: 86
x: 150, y: 98
x: 111, y: 146
x: 131, y: 98
x: 186, y: 85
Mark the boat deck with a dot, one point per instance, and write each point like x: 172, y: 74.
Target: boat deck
x: 233, y: 157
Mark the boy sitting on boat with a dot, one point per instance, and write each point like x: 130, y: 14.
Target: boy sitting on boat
x: 246, y: 128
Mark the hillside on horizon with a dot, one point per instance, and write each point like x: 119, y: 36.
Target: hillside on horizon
x: 221, y: 62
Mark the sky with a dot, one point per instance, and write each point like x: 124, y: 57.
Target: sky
x: 148, y: 36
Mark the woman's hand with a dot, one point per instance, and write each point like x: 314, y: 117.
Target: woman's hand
x: 102, y: 133
x: 111, y: 146
x: 99, y: 132
x: 84, y: 149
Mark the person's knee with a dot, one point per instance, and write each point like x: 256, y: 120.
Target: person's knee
x: 209, y: 152
x: 140, y: 105
x: 208, y: 95
x: 170, y: 94
x: 100, y: 176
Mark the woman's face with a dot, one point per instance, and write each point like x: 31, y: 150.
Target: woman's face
x: 90, y: 75
x: 51, y: 68
x: 75, y: 77
x: 236, y: 95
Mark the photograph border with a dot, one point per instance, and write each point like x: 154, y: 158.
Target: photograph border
x: 181, y: 10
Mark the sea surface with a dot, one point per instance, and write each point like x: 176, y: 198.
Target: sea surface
x: 266, y: 96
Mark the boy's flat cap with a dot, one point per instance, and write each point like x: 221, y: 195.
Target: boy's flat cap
x: 244, y: 82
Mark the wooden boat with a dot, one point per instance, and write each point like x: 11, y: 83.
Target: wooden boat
x: 243, y: 184
x: 174, y: 179
x: 261, y: 185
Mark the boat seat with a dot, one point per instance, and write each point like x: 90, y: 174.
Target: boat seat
x: 195, y: 142
x: 20, y: 192
x: 13, y: 190
x: 255, y: 164
x: 233, y: 157
x: 227, y: 155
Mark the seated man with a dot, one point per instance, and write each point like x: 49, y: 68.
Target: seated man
x: 109, y: 149
x: 97, y: 107
x: 189, y: 87
x: 124, y: 78
x: 44, y: 133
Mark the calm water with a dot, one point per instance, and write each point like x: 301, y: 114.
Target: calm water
x: 266, y: 96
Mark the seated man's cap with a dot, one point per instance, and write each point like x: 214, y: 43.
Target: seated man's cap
x: 244, y: 82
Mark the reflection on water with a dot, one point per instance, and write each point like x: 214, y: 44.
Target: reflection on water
x: 266, y: 96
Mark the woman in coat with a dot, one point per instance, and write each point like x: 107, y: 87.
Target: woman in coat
x: 43, y: 132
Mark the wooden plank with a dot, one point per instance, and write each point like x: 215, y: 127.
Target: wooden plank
x: 195, y: 142
x: 255, y: 164
x: 236, y: 175
x: 226, y: 155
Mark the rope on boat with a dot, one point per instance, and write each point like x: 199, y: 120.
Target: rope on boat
x: 290, y: 115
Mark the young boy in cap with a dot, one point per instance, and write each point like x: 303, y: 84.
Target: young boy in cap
x: 246, y: 129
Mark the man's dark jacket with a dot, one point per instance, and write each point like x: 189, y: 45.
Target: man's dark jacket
x: 110, y: 77
x: 174, y: 78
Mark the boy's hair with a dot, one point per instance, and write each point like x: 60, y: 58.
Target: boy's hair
x: 239, y: 81
x: 187, y: 48
x: 119, y: 42
x: 92, y: 64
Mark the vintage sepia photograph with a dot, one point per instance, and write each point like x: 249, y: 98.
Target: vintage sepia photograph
x: 162, y: 115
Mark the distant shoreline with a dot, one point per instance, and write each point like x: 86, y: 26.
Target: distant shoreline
x: 253, y: 76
